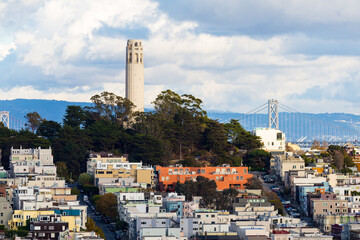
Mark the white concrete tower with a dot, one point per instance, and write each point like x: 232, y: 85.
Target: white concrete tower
x: 135, y: 73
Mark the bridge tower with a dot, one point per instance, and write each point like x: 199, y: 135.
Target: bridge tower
x: 273, y: 114
x: 4, y: 118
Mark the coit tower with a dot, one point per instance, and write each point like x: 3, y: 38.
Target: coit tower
x: 135, y: 73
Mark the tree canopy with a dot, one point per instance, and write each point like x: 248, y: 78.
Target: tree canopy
x: 178, y: 130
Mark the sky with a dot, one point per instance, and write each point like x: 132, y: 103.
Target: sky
x: 232, y: 54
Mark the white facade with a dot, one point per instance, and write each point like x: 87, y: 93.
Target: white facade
x: 135, y: 74
x: 130, y: 196
x: 25, y: 162
x: 189, y: 226
x: 272, y: 139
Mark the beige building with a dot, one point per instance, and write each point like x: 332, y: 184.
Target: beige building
x: 5, y: 212
x: 112, y: 173
x: 135, y: 73
x: 331, y: 206
x: 110, y: 169
x: 103, y: 157
x: 325, y: 221
x: 286, y: 163
x: 30, y: 162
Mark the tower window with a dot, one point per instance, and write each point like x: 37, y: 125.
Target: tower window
x: 130, y: 57
x: 136, y: 44
x: 137, y: 57
x: 141, y: 57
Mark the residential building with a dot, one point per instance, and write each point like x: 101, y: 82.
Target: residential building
x: 273, y: 140
x: 287, y: 162
x: 224, y: 176
x: 31, y: 162
x: 115, y: 172
x: 48, y: 227
x: 325, y: 221
x: 174, y: 203
x: 103, y: 157
x: 5, y: 212
x: 325, y: 206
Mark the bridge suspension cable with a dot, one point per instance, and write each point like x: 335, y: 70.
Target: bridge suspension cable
x: 299, y: 127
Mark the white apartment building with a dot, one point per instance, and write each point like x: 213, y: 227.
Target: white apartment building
x: 30, y: 162
x: 130, y: 196
x: 273, y: 139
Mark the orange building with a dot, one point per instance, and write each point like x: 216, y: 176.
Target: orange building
x: 224, y: 176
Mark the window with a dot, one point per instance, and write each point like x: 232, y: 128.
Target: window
x: 51, y: 227
x: 245, y: 170
x: 202, y: 170
x: 143, y: 223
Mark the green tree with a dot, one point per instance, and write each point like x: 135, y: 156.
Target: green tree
x: 348, y: 161
x: 72, y: 147
x: 74, y: 116
x: 90, y: 225
x: 75, y: 191
x: 225, y: 198
x: 147, y: 149
x: 107, y: 205
x: 215, y: 137
x: 95, y: 198
x: 48, y: 129
x: 112, y: 107
x: 62, y: 170
x: 33, y: 120
x: 122, y: 225
x: 85, y: 179
x: 257, y: 159
x: 338, y: 159
x: 241, y: 138
x: 274, y: 199
x: 254, y: 183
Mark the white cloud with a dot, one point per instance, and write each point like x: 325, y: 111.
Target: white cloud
x: 78, y: 48
x: 5, y: 50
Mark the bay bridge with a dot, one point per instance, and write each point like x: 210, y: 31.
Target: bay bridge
x: 299, y: 128
x: 11, y: 122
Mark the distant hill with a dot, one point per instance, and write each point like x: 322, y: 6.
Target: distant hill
x: 293, y: 124
x: 49, y: 109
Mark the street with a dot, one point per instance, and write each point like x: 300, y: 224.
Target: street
x: 99, y: 222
